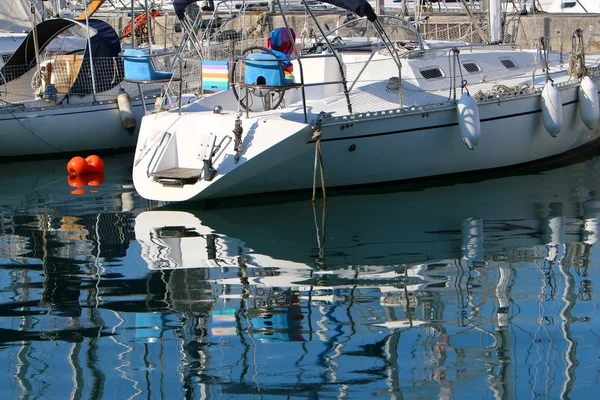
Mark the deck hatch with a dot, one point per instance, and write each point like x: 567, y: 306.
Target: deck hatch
x: 508, y: 63
x: 471, y: 66
x: 431, y: 73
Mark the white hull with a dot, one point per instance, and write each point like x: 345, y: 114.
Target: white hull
x: 69, y: 129
x: 388, y: 148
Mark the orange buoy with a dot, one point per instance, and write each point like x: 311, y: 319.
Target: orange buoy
x: 95, y: 163
x: 77, y: 166
x: 81, y: 166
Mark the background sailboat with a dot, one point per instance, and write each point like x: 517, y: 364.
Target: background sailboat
x: 65, y: 72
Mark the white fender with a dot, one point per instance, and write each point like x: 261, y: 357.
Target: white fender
x: 552, y: 115
x: 469, y: 125
x: 124, y: 103
x: 588, y: 102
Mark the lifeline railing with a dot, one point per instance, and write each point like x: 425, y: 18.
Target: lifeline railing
x: 24, y: 87
x: 139, y: 69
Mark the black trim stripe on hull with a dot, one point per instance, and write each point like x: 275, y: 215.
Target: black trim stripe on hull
x: 14, y: 115
x: 423, y: 128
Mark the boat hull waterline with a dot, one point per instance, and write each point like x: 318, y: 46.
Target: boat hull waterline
x: 51, y: 130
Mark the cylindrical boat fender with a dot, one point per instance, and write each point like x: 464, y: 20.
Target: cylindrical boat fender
x: 588, y: 102
x: 469, y: 125
x: 127, y: 118
x: 552, y: 115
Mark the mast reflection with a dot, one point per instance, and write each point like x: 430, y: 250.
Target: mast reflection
x: 438, y: 293
x: 434, y: 284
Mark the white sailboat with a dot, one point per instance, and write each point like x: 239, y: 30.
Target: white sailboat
x: 377, y: 104
x: 62, y: 91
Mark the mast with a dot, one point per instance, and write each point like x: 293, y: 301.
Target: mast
x: 35, y: 40
x: 495, y: 21
x: 89, y: 44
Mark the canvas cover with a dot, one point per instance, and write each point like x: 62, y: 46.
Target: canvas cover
x: 180, y: 5
x: 360, y: 7
x: 105, y: 49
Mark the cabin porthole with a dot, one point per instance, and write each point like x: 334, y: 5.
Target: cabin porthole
x: 352, y: 148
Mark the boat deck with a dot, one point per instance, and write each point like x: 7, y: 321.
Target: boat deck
x: 386, y: 94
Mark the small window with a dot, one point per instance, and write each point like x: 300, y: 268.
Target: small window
x: 431, y: 73
x: 508, y: 63
x: 471, y: 67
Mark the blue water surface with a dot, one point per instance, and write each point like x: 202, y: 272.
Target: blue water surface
x: 446, y: 290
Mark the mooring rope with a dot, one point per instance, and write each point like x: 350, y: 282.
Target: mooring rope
x: 577, y: 59
x: 319, y: 168
x: 501, y: 89
x: 320, y: 232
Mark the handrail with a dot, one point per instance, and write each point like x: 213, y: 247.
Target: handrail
x: 169, y: 80
x: 147, y: 55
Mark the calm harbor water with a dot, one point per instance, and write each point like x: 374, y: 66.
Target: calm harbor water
x: 482, y: 290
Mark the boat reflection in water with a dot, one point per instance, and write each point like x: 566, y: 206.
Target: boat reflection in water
x: 478, y: 289
x: 464, y: 290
